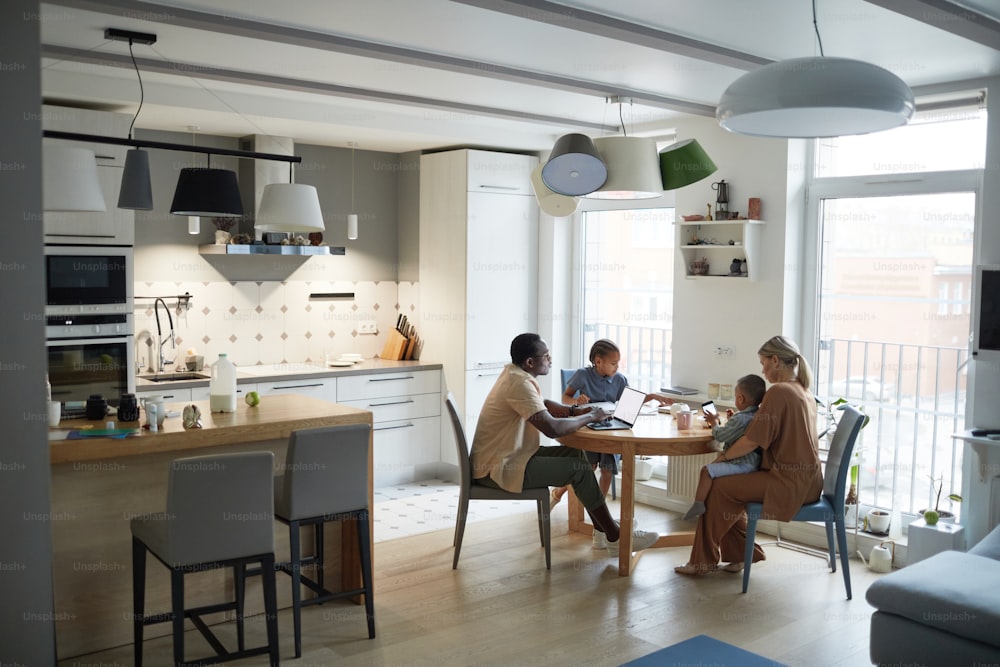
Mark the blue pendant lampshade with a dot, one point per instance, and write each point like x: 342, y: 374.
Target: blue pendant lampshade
x: 136, y: 191
x: 574, y: 166
x: 207, y: 193
x: 684, y: 163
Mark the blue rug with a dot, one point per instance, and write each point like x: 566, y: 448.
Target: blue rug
x: 703, y: 650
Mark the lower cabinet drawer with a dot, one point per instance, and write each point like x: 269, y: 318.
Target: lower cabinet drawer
x: 399, y: 407
x: 397, y: 383
x: 404, y: 449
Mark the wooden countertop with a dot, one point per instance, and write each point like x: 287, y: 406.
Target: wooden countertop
x: 275, y: 418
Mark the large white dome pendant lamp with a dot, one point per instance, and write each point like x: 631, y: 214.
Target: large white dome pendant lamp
x: 69, y: 180
x: 574, y: 166
x: 815, y: 97
x: 633, y: 168
x: 552, y: 203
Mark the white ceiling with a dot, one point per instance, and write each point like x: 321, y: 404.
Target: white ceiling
x: 401, y: 75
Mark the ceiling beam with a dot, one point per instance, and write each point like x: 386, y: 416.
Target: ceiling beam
x: 251, y: 29
x: 949, y: 17
x: 189, y: 71
x: 609, y: 27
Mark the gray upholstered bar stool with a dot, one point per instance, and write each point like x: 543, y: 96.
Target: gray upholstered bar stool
x: 219, y: 514
x: 325, y: 479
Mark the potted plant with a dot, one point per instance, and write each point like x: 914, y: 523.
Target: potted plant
x: 222, y: 227
x: 932, y: 516
x: 643, y: 468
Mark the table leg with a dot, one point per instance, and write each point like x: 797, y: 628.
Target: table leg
x: 627, y: 500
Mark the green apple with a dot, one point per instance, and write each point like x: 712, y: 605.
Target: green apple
x: 931, y: 517
x: 252, y: 398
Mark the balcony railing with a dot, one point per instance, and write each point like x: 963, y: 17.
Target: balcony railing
x: 914, y: 395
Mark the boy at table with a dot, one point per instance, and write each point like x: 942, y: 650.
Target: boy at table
x: 749, y: 393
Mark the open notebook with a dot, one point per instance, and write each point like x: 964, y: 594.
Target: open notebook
x: 626, y: 412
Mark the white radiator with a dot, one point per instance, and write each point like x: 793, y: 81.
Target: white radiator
x: 682, y: 475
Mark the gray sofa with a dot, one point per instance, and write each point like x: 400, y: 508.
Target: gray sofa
x: 944, y: 610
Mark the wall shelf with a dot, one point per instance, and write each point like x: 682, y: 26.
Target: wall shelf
x: 726, y: 240
x: 270, y: 250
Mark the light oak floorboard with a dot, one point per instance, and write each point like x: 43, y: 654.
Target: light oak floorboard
x: 502, y: 607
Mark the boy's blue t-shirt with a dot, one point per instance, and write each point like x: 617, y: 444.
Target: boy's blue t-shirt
x: 599, y: 389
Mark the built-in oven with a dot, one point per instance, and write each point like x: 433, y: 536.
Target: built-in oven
x: 88, y: 280
x: 88, y: 323
x: 82, y: 367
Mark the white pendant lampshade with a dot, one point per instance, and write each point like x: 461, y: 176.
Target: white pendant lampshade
x: 633, y: 168
x: 352, y: 226
x: 194, y: 224
x: 289, y: 207
x: 574, y: 166
x: 815, y: 97
x: 552, y: 203
x: 69, y: 180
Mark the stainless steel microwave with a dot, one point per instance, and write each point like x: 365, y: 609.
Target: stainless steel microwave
x: 88, y: 280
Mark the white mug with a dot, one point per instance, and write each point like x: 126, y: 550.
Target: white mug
x: 55, y: 413
x: 677, y: 407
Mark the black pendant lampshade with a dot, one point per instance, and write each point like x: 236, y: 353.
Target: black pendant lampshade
x: 207, y: 193
x: 574, y: 167
x: 136, y: 192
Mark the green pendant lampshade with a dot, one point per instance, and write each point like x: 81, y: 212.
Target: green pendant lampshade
x: 136, y: 191
x: 684, y: 163
x: 815, y: 97
x: 574, y: 166
x: 633, y: 168
x: 207, y: 193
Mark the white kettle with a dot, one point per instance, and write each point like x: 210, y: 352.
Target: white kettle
x: 880, y: 559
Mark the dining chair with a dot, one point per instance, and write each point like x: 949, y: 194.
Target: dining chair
x: 830, y: 507
x: 219, y: 514
x: 325, y: 479
x: 469, y: 491
x: 567, y: 374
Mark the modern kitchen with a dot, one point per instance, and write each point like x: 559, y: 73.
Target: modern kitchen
x: 435, y: 249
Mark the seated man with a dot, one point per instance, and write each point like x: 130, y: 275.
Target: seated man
x: 506, y: 453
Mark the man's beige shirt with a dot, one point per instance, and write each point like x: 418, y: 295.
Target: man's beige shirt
x: 504, y: 440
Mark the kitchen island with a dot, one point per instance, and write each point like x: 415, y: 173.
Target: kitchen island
x: 99, y: 484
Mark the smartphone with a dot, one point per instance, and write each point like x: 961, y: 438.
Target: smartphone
x: 708, y: 407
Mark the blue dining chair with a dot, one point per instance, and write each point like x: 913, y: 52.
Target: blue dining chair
x: 830, y: 506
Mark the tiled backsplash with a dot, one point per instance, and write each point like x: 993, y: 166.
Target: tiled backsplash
x: 271, y: 322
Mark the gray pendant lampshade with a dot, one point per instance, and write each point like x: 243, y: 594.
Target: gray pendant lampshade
x: 684, y: 163
x: 633, y: 168
x: 552, y: 203
x: 136, y: 192
x: 207, y: 193
x: 69, y: 180
x: 574, y: 166
x: 815, y: 97
x: 289, y: 207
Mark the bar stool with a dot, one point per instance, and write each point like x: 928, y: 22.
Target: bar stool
x: 219, y: 514
x: 326, y: 479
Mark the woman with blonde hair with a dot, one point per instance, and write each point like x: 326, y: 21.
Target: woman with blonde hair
x: 784, y: 428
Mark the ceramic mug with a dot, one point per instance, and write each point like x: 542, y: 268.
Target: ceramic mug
x: 161, y: 412
x: 676, y: 408
x: 684, y: 420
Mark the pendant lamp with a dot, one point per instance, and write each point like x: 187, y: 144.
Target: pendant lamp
x: 136, y: 192
x: 552, y: 203
x: 574, y: 167
x: 207, y: 192
x: 684, y: 163
x: 289, y: 207
x: 633, y: 168
x: 352, y: 218
x: 69, y: 180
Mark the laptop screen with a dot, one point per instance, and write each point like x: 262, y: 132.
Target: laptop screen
x: 629, y: 405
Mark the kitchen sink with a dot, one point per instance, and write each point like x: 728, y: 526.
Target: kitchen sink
x: 174, y: 377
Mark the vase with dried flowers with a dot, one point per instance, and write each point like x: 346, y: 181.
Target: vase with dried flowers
x: 222, y: 227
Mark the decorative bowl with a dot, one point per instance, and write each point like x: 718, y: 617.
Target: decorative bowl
x: 692, y: 218
x: 699, y: 268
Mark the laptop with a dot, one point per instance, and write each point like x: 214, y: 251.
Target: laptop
x: 626, y: 412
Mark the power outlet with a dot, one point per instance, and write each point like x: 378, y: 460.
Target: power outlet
x: 368, y: 327
x: 724, y: 352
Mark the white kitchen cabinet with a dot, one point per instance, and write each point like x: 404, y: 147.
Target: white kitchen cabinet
x: 478, y: 268
x: 719, y: 243
x: 323, y: 388
x: 113, y: 226
x: 406, y: 421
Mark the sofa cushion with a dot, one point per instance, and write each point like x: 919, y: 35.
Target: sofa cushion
x: 952, y: 591
x: 989, y: 546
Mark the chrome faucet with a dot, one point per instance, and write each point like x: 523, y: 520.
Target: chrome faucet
x: 159, y: 331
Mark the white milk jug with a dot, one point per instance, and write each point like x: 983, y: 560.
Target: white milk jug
x: 222, y: 386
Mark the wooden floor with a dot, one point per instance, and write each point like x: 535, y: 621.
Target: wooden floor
x: 501, y: 607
